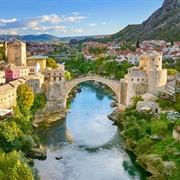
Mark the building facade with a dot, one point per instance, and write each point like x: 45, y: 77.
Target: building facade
x: 17, y: 53
x: 38, y: 59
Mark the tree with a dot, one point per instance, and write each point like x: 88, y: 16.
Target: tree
x: 171, y: 71
x: 25, y: 97
x: 50, y: 62
x: 12, y: 167
x: 159, y: 127
x: 67, y: 75
x: 39, y: 102
x: 137, y: 44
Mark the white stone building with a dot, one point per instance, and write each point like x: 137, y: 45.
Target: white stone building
x: 7, y: 96
x: 33, y: 67
x: 2, y: 78
x: 147, y: 77
x: 35, y: 82
x: 54, y: 75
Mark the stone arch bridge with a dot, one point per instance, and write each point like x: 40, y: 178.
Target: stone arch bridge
x: 59, y: 91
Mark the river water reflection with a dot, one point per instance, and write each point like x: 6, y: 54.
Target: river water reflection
x: 90, y: 144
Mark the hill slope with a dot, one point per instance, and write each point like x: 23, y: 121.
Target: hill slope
x: 162, y: 24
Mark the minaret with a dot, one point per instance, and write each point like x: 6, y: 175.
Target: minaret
x: 5, y: 49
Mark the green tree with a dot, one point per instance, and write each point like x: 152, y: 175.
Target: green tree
x: 67, y: 75
x: 177, y: 65
x: 171, y: 71
x: 12, y: 167
x: 25, y: 98
x: 9, y: 131
x: 159, y: 127
x: 50, y: 62
x: 137, y: 44
x: 39, y: 102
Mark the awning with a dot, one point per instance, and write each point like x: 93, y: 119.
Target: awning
x: 3, y: 112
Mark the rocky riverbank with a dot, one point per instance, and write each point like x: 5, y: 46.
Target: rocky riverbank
x: 157, y: 162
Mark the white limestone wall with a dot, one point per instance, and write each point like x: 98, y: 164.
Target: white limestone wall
x: 157, y: 81
x: 133, y: 83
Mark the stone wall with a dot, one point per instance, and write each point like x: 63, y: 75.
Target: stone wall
x: 157, y: 81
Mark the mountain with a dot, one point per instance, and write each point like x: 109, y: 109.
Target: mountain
x: 37, y: 38
x: 43, y: 38
x: 162, y: 24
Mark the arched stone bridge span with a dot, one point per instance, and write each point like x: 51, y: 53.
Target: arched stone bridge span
x: 113, y: 84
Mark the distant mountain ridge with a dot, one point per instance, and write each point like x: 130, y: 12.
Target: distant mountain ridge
x: 42, y: 38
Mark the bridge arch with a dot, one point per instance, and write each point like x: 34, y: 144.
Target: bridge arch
x: 114, y: 85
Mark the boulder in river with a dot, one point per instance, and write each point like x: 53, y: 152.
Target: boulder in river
x: 59, y: 157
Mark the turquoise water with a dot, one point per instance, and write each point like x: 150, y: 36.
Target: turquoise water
x: 91, y: 146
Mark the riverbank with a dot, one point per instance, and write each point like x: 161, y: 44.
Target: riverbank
x: 150, y: 139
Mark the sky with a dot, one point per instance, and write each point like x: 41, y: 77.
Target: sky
x: 65, y: 18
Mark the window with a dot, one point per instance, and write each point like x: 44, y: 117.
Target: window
x: 138, y: 79
x: 153, y: 59
x: 156, y: 66
x: 132, y: 79
x: 142, y: 79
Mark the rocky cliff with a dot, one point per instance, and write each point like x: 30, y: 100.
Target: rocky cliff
x: 162, y: 24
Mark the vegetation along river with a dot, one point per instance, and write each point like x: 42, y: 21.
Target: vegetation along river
x: 91, y: 146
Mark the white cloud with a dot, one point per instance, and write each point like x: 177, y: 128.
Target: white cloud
x: 8, y: 20
x: 92, y: 24
x: 50, y: 28
x: 13, y: 33
x: 104, y: 23
x: 77, y: 30
x: 76, y: 13
x: 33, y: 22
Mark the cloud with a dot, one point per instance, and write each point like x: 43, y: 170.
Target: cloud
x: 50, y: 28
x: 104, y: 23
x: 33, y: 22
x: 13, y: 33
x: 92, y: 24
x: 7, y: 20
x: 76, y: 13
x: 77, y: 30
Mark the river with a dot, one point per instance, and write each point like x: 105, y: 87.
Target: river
x: 91, y: 146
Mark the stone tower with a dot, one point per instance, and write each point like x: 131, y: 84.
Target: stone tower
x: 17, y: 53
x: 151, y: 62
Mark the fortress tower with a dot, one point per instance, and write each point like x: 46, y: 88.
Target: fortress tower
x: 17, y: 53
x: 147, y: 77
x: 151, y: 63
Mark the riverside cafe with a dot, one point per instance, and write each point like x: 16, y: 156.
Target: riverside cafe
x: 5, y: 114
